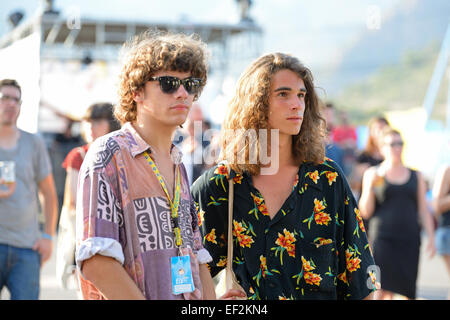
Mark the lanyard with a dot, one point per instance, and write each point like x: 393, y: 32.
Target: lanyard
x: 176, y: 201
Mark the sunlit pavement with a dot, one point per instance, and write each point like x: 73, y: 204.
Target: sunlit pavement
x: 433, y: 281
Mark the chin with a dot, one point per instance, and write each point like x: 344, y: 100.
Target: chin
x: 292, y: 132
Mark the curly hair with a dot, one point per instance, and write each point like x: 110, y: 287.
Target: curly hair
x: 248, y: 110
x: 150, y: 52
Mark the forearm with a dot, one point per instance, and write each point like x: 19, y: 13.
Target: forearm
x: 110, y: 278
x: 49, y: 204
x: 367, y: 204
x: 207, y: 283
x: 427, y: 222
x: 442, y: 204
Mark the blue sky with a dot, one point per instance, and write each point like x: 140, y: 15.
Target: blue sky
x: 315, y: 31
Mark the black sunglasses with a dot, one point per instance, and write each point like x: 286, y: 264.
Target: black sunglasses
x: 171, y: 84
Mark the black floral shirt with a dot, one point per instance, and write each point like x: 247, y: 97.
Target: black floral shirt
x: 315, y: 247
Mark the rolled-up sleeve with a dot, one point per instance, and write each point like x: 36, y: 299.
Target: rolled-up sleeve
x: 99, y: 216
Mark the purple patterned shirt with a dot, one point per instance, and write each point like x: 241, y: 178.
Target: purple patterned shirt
x: 123, y: 213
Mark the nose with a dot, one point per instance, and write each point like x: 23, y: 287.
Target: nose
x: 181, y: 92
x: 298, y: 103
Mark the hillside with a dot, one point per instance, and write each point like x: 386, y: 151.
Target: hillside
x: 409, y: 37
x: 394, y: 87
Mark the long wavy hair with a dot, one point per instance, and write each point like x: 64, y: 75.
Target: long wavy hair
x: 150, y: 52
x: 248, y: 109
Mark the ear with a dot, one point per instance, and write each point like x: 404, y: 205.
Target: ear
x: 138, y: 95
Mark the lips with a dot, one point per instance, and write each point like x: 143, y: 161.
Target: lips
x: 179, y: 107
x: 297, y: 118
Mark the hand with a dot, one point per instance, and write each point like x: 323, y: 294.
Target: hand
x: 232, y: 294
x: 44, y: 247
x: 431, y: 247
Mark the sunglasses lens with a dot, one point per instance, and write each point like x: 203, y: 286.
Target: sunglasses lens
x: 169, y: 84
x: 191, y: 85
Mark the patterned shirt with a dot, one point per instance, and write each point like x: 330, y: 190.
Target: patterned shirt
x: 123, y: 213
x: 315, y: 247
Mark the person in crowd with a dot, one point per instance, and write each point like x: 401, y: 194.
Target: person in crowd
x: 97, y: 121
x: 370, y: 156
x: 194, y: 145
x: 332, y: 150
x: 441, y: 205
x: 393, y: 197
x: 344, y: 135
x: 24, y: 248
x: 296, y: 226
x: 137, y: 226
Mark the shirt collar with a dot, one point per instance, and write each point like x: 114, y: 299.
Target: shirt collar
x: 138, y: 145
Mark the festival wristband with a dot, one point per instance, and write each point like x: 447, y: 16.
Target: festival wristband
x: 46, y: 236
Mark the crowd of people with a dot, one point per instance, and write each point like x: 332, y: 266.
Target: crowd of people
x: 145, y: 217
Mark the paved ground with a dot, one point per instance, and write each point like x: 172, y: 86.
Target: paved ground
x: 433, y: 281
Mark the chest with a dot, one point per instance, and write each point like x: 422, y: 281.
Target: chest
x: 167, y: 170
x: 275, y: 189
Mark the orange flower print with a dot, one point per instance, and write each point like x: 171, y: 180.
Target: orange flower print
x: 200, y: 214
x: 353, y: 264
x: 241, y: 231
x: 314, y: 176
x: 319, y: 205
x: 352, y: 259
x: 237, y: 228
x: 259, y: 206
x: 237, y: 179
x: 244, y: 240
x: 322, y: 218
x: 360, y: 221
x: 321, y: 241
x: 318, y: 215
x: 307, y: 274
x: 262, y: 270
x: 220, y: 173
x: 222, y: 262
x: 307, y: 265
x: 312, y: 278
x: 343, y: 277
x: 221, y: 170
x: 285, y: 242
x: 263, y: 209
x: 211, y: 237
x: 331, y: 176
x: 263, y: 265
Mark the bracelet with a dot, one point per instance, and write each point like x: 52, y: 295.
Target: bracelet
x: 46, y: 236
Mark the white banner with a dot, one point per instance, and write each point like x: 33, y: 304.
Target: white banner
x: 21, y: 61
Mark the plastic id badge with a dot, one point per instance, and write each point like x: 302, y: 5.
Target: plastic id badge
x: 182, y: 281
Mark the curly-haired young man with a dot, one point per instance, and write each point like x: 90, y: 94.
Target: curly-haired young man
x: 296, y: 227
x: 137, y: 228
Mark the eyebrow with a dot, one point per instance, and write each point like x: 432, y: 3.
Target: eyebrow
x: 288, y: 89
